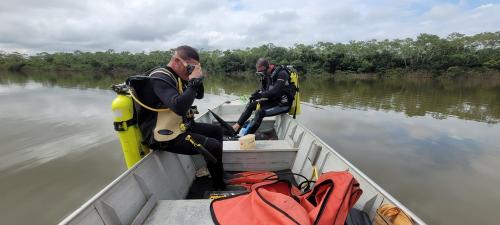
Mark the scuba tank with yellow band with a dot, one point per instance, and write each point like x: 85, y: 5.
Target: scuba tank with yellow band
x: 126, y: 126
x: 294, y: 79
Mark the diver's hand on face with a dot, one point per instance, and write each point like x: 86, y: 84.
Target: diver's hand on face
x: 197, y: 72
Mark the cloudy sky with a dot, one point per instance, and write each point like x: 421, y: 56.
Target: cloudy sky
x: 145, y: 25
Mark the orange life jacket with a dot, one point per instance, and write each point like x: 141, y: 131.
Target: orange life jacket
x: 277, y: 202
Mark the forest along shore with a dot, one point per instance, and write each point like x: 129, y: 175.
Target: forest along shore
x: 427, y: 55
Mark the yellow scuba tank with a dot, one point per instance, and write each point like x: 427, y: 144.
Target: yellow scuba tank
x: 295, y: 109
x: 126, y: 126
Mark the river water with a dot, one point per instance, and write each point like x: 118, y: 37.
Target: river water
x: 434, y: 145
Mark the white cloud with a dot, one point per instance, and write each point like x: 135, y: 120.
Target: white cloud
x: 57, y: 25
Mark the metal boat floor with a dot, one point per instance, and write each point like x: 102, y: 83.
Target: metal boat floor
x: 181, y: 212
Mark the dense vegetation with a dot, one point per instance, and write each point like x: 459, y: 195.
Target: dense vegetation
x: 428, y: 53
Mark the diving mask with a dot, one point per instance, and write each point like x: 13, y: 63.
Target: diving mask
x: 190, y: 69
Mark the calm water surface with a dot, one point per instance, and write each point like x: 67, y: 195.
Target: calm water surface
x: 434, y: 145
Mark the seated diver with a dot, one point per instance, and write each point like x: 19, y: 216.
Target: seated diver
x: 165, y: 115
x: 274, y: 97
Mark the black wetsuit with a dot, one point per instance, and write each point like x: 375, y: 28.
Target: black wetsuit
x: 276, y: 89
x: 160, y: 94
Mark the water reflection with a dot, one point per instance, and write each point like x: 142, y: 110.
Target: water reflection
x: 473, y: 99
x: 37, y: 120
x: 477, y: 100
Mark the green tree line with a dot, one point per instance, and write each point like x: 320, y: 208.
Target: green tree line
x: 453, y: 54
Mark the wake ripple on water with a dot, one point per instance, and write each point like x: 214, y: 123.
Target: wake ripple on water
x: 44, y: 150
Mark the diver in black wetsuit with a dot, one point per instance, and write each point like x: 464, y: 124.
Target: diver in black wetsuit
x: 274, y: 97
x: 175, y: 88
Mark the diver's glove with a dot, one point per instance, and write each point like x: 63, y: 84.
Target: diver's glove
x: 195, y: 83
x: 255, y: 96
x: 251, y: 98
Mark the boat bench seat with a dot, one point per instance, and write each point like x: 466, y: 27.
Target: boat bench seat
x: 234, y: 117
x: 180, y: 212
x: 268, y: 155
x: 260, y: 146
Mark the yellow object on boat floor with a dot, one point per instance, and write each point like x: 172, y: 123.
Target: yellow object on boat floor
x: 388, y: 214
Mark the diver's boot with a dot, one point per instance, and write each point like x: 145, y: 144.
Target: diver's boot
x: 219, y: 186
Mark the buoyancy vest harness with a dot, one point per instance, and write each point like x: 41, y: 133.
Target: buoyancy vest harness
x: 168, y: 124
x: 292, y: 87
x: 278, y: 203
